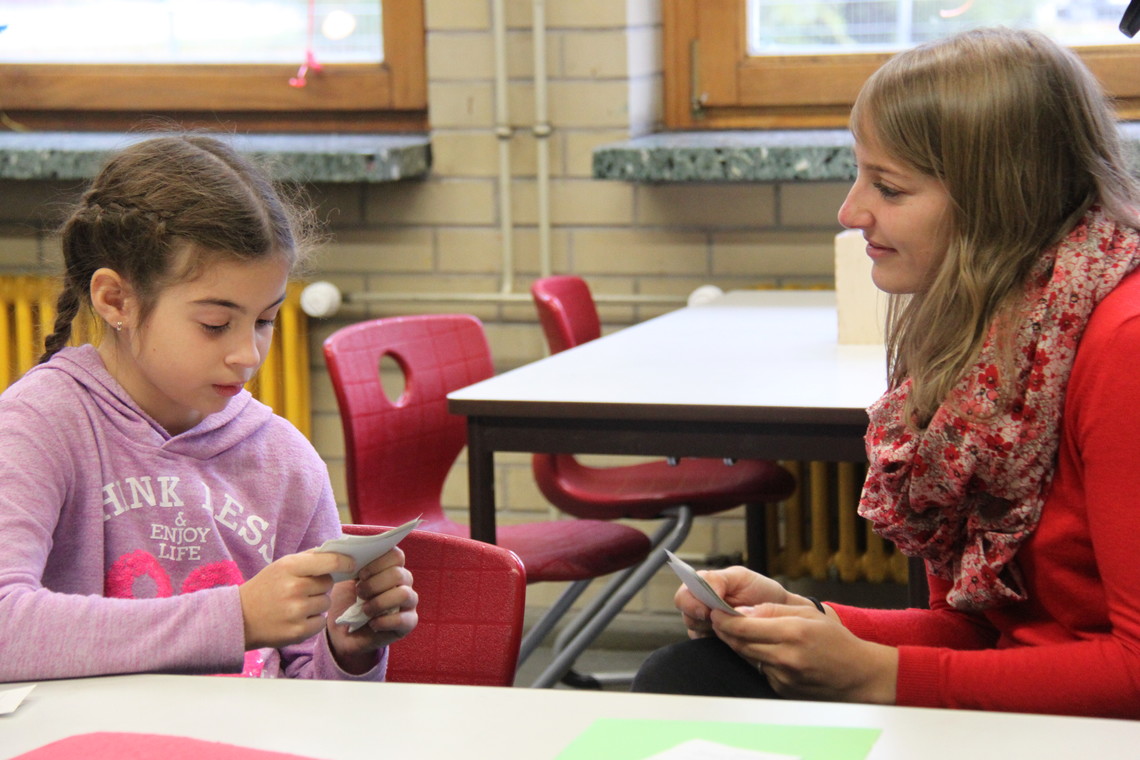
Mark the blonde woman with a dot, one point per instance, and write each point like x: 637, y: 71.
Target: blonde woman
x: 997, y: 207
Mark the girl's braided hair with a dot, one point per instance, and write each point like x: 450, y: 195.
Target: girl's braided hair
x: 162, y: 196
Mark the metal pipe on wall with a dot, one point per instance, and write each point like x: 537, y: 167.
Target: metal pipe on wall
x: 324, y: 299
x: 503, y: 133
x: 542, y: 132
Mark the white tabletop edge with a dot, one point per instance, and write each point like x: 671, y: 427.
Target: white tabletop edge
x: 347, y: 721
x: 748, y: 349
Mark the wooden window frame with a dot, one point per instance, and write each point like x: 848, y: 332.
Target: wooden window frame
x: 390, y: 96
x: 712, y: 83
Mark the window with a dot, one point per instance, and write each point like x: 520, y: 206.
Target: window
x: 767, y: 63
x: 254, y: 65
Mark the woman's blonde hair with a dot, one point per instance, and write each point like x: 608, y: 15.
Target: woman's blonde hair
x: 1024, y: 140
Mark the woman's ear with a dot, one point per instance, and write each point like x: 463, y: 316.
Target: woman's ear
x: 111, y: 298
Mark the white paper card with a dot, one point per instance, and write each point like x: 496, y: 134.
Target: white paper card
x: 700, y: 749
x: 364, y: 549
x: 698, y: 585
x: 10, y: 699
x: 861, y: 308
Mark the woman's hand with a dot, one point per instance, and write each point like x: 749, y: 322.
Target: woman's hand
x: 385, y: 585
x: 737, y: 586
x: 808, y: 655
x: 803, y: 653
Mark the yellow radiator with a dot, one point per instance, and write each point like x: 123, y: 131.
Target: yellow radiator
x: 27, y: 311
x: 817, y: 531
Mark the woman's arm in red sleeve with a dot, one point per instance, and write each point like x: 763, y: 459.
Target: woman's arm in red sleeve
x: 939, y: 626
x: 1095, y: 670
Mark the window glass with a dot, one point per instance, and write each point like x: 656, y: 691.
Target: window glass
x: 190, y: 31
x: 788, y: 27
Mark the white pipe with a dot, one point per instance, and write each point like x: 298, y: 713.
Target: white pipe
x: 541, y: 136
x: 503, y: 134
x: 324, y: 299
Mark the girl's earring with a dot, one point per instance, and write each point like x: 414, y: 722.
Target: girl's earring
x: 119, y: 326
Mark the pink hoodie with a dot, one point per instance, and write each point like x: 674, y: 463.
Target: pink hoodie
x: 123, y: 546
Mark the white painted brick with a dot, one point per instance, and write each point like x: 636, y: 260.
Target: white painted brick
x: 707, y: 205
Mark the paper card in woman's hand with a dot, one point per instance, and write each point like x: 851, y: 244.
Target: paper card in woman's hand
x: 364, y: 549
x: 698, y: 585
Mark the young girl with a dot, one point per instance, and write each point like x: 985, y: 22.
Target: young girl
x: 155, y: 516
x: 992, y: 191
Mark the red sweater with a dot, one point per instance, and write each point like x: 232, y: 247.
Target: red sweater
x: 1073, y: 647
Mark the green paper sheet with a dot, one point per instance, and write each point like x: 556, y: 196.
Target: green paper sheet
x: 618, y: 739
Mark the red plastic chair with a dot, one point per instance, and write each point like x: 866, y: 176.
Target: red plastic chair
x: 672, y: 491
x: 472, y: 601
x: 398, y: 452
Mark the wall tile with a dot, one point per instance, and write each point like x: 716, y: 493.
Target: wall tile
x: 461, y: 105
x: 41, y: 204
x: 436, y: 201
x: 448, y: 14
x: 460, y: 56
x: 575, y: 202
x: 392, y: 250
x: 466, y: 153
x: 338, y: 205
x: 773, y: 254
x: 812, y: 204
x: 589, y: 104
x: 590, y: 54
x: 590, y: 14
x: 707, y: 205
x: 20, y: 249
x: 639, y: 252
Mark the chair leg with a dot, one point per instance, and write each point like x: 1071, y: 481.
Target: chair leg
x: 663, y: 532
x: 596, y: 623
x: 576, y: 679
x: 756, y: 537
x: 550, y: 619
x: 573, y: 678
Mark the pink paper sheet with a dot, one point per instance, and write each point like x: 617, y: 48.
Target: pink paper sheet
x: 130, y: 746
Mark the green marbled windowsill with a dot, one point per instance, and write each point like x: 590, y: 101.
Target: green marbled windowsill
x: 304, y: 158
x: 748, y: 156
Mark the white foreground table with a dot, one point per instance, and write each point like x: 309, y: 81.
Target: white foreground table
x: 342, y: 721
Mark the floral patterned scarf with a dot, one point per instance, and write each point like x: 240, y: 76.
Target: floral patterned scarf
x: 967, y: 491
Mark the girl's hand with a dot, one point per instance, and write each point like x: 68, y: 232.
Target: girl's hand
x: 286, y: 602
x: 385, y: 585
x: 808, y: 655
x: 737, y: 586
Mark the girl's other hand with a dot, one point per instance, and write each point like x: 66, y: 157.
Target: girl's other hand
x: 385, y: 585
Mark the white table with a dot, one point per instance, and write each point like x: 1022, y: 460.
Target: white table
x: 342, y: 721
x: 754, y: 374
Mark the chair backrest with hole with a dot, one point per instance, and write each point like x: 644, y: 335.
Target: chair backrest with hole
x: 398, y: 451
